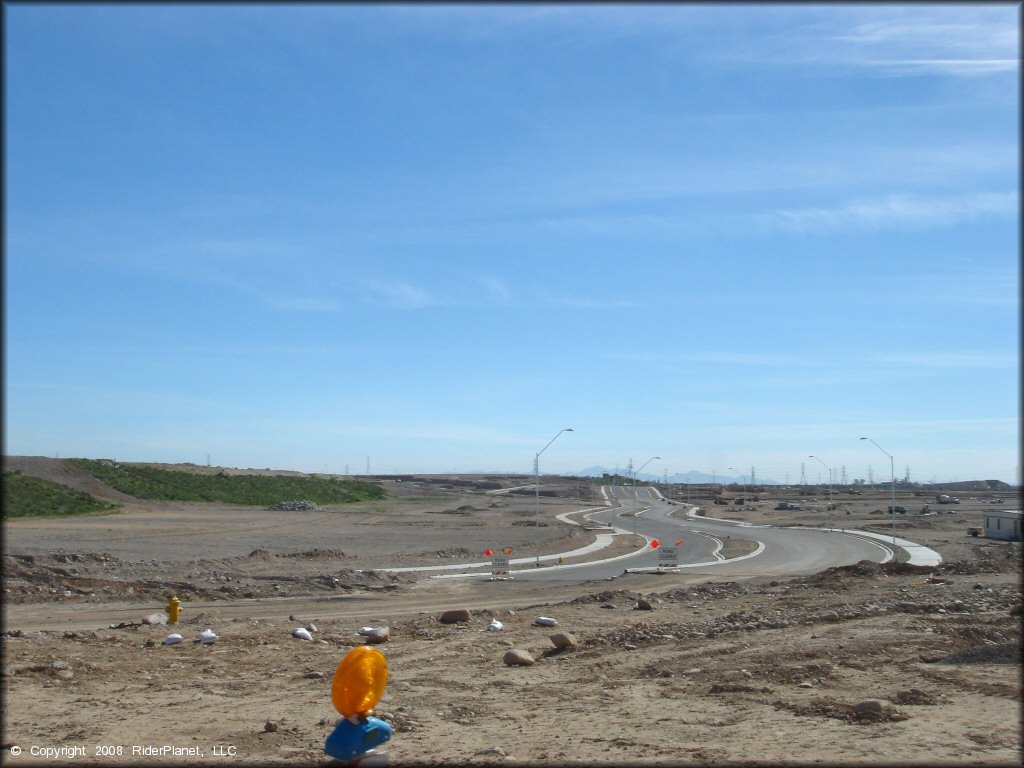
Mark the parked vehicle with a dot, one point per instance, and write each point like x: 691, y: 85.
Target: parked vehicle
x: 899, y: 510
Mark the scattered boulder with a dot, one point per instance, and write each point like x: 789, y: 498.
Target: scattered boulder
x: 828, y: 616
x: 455, y: 616
x: 155, y: 619
x: 270, y: 726
x: 643, y: 605
x: 518, y: 658
x: 930, y: 657
x: 565, y: 641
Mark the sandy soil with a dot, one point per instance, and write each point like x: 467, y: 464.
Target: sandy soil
x: 864, y: 663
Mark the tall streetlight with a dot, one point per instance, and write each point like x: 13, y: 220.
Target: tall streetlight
x: 536, y: 488
x: 744, y: 484
x: 636, y: 501
x: 892, y: 472
x: 826, y: 466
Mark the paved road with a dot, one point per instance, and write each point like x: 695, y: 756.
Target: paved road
x: 780, y: 551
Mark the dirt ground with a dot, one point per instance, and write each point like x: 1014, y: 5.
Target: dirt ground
x: 860, y: 664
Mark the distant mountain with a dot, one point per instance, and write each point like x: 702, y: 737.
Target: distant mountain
x: 693, y: 476
x: 974, y: 485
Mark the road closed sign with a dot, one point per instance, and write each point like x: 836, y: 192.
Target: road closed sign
x: 499, y: 565
x: 668, y: 557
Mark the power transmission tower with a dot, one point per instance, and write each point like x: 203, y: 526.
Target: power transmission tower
x: 803, y: 475
x: 367, y: 465
x: 844, y: 474
x: 871, y: 476
x: 906, y: 478
x: 753, y: 477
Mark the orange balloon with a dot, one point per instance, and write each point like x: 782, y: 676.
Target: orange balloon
x: 359, y: 681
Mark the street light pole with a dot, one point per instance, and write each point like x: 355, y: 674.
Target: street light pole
x: 892, y: 472
x: 743, y: 484
x: 536, y: 489
x: 636, y: 501
x: 826, y: 466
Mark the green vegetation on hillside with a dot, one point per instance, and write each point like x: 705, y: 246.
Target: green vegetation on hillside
x: 147, y: 482
x: 28, y: 496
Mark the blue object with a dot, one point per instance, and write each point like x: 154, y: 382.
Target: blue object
x: 350, y: 740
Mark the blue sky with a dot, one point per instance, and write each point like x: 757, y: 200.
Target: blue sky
x: 433, y: 236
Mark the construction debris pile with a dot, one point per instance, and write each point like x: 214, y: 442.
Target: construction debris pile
x: 295, y: 506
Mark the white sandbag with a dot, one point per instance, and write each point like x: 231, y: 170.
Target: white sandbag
x: 302, y: 633
x: 495, y: 626
x: 173, y: 638
x: 545, y: 621
x: 208, y: 636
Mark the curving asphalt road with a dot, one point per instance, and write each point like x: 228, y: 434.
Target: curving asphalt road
x: 779, y: 551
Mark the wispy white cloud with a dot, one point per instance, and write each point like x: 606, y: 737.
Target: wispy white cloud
x: 952, y: 41
x: 578, y: 302
x: 400, y: 294
x: 957, y: 67
x: 895, y: 211
x: 966, y: 360
x: 303, y: 303
x: 494, y: 291
x: 727, y: 358
x: 870, y: 363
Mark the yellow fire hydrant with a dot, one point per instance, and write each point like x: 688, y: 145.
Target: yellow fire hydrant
x: 173, y: 609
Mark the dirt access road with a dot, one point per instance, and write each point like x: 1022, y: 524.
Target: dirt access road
x: 860, y: 664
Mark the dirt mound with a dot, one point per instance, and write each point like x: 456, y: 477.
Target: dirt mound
x: 852, y: 713
x: 63, y: 472
x: 997, y: 560
x: 837, y: 575
x: 608, y: 596
x: 317, y: 554
x: 996, y: 653
x: 260, y: 554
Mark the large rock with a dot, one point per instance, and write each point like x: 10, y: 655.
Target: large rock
x: 869, y: 708
x: 455, y: 616
x: 643, y: 605
x: 518, y: 658
x: 565, y: 641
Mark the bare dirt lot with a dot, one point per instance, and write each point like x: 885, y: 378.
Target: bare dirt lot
x: 858, y: 664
